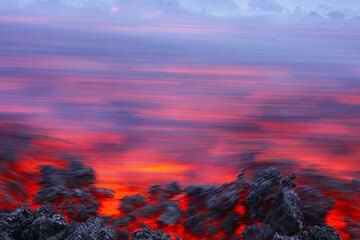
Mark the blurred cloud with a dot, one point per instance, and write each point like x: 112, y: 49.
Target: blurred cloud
x: 331, y: 10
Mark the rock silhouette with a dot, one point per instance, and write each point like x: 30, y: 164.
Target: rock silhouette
x: 274, y: 208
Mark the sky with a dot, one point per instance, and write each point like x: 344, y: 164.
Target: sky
x: 151, y: 91
x: 282, y: 10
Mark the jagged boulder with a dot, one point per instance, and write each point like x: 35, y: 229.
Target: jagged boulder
x: 71, y: 190
x: 92, y: 229
x: 171, y: 213
x: 149, y: 234
x: 258, y: 232
x: 271, y: 200
x: 131, y: 203
x: 321, y: 233
x: 43, y: 224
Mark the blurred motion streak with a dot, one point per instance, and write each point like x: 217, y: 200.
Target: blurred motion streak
x: 152, y: 104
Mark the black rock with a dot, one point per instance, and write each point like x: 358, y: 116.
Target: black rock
x: 92, y: 229
x: 258, y: 232
x: 171, y: 213
x: 314, y: 205
x: 159, y: 194
x: 131, y: 203
x: 41, y: 224
x: 321, y: 233
x: 71, y: 190
x: 278, y: 237
x: 148, y: 234
x: 199, y: 224
x: 149, y: 210
x: 230, y: 223
x: 271, y: 200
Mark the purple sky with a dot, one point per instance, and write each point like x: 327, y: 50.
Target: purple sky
x: 161, y: 87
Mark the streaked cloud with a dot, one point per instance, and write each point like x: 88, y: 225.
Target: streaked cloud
x: 277, y: 9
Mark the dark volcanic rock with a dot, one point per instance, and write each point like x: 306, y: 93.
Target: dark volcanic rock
x: 258, y: 232
x: 124, y: 221
x: 314, y: 205
x: 43, y: 227
x: 24, y: 224
x: 172, y: 189
x: 171, y: 213
x: 211, y: 209
x: 149, y: 210
x: 92, y: 229
x: 271, y: 200
x: 230, y: 223
x: 148, y: 234
x: 267, y: 205
x: 321, y: 233
x: 215, y: 198
x: 199, y: 224
x: 278, y: 237
x: 122, y: 235
x: 131, y: 203
x: 71, y: 190
x: 159, y: 194
x: 158, y: 206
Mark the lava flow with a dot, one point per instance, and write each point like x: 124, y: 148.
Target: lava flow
x: 259, y: 200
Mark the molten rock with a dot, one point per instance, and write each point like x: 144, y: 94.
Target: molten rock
x: 269, y: 207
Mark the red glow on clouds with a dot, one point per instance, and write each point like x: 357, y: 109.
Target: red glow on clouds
x: 144, y: 107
